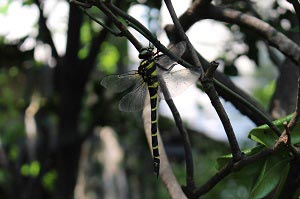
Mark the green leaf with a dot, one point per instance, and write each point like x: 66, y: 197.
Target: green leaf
x: 264, y: 135
x: 264, y: 94
x: 223, y: 160
x: 27, y: 2
x: 283, y: 178
x: 268, y: 178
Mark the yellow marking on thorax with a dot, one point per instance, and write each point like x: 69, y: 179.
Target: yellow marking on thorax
x: 149, y: 65
x: 155, y: 147
x: 154, y: 73
x: 153, y: 135
x: 153, y: 122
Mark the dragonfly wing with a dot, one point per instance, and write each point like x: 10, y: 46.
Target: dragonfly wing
x: 178, y: 49
x: 121, y: 82
x: 135, y: 99
x: 177, y: 82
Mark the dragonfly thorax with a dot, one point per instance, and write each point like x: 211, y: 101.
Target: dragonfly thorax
x: 148, y: 71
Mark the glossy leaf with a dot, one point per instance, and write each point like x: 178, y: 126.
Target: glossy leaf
x: 264, y: 135
x: 268, y: 179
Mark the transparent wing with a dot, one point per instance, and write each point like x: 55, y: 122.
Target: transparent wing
x: 178, y: 49
x: 120, y: 83
x: 177, y: 82
x: 135, y: 99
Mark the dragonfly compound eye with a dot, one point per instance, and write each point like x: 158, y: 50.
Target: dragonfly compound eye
x: 146, y: 53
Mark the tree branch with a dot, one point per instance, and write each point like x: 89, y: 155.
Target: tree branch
x: 47, y: 33
x: 230, y: 167
x: 195, y: 59
x: 208, y: 86
x: 201, y: 9
x: 119, y: 25
x: 207, y: 82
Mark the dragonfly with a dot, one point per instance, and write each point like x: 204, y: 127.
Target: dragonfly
x: 154, y: 74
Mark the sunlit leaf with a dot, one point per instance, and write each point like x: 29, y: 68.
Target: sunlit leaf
x: 264, y: 135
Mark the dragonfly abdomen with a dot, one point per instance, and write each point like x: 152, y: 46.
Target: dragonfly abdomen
x: 148, y: 71
x: 153, y: 90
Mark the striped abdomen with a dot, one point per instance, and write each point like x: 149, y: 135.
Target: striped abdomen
x: 149, y: 73
x: 154, y: 103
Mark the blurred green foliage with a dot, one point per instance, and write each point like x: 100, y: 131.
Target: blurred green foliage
x: 264, y: 94
x: 108, y: 58
x: 31, y: 169
x: 49, y: 179
x: 11, y: 102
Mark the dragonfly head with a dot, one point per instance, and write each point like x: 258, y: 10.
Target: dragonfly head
x: 146, y: 53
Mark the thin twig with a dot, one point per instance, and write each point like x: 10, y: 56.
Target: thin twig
x: 183, y: 36
x: 117, y: 34
x: 81, y: 4
x: 275, y: 38
x: 285, y: 136
x: 208, y: 86
x: 146, y: 33
x: 201, y: 10
x: 119, y: 25
x: 200, y: 4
